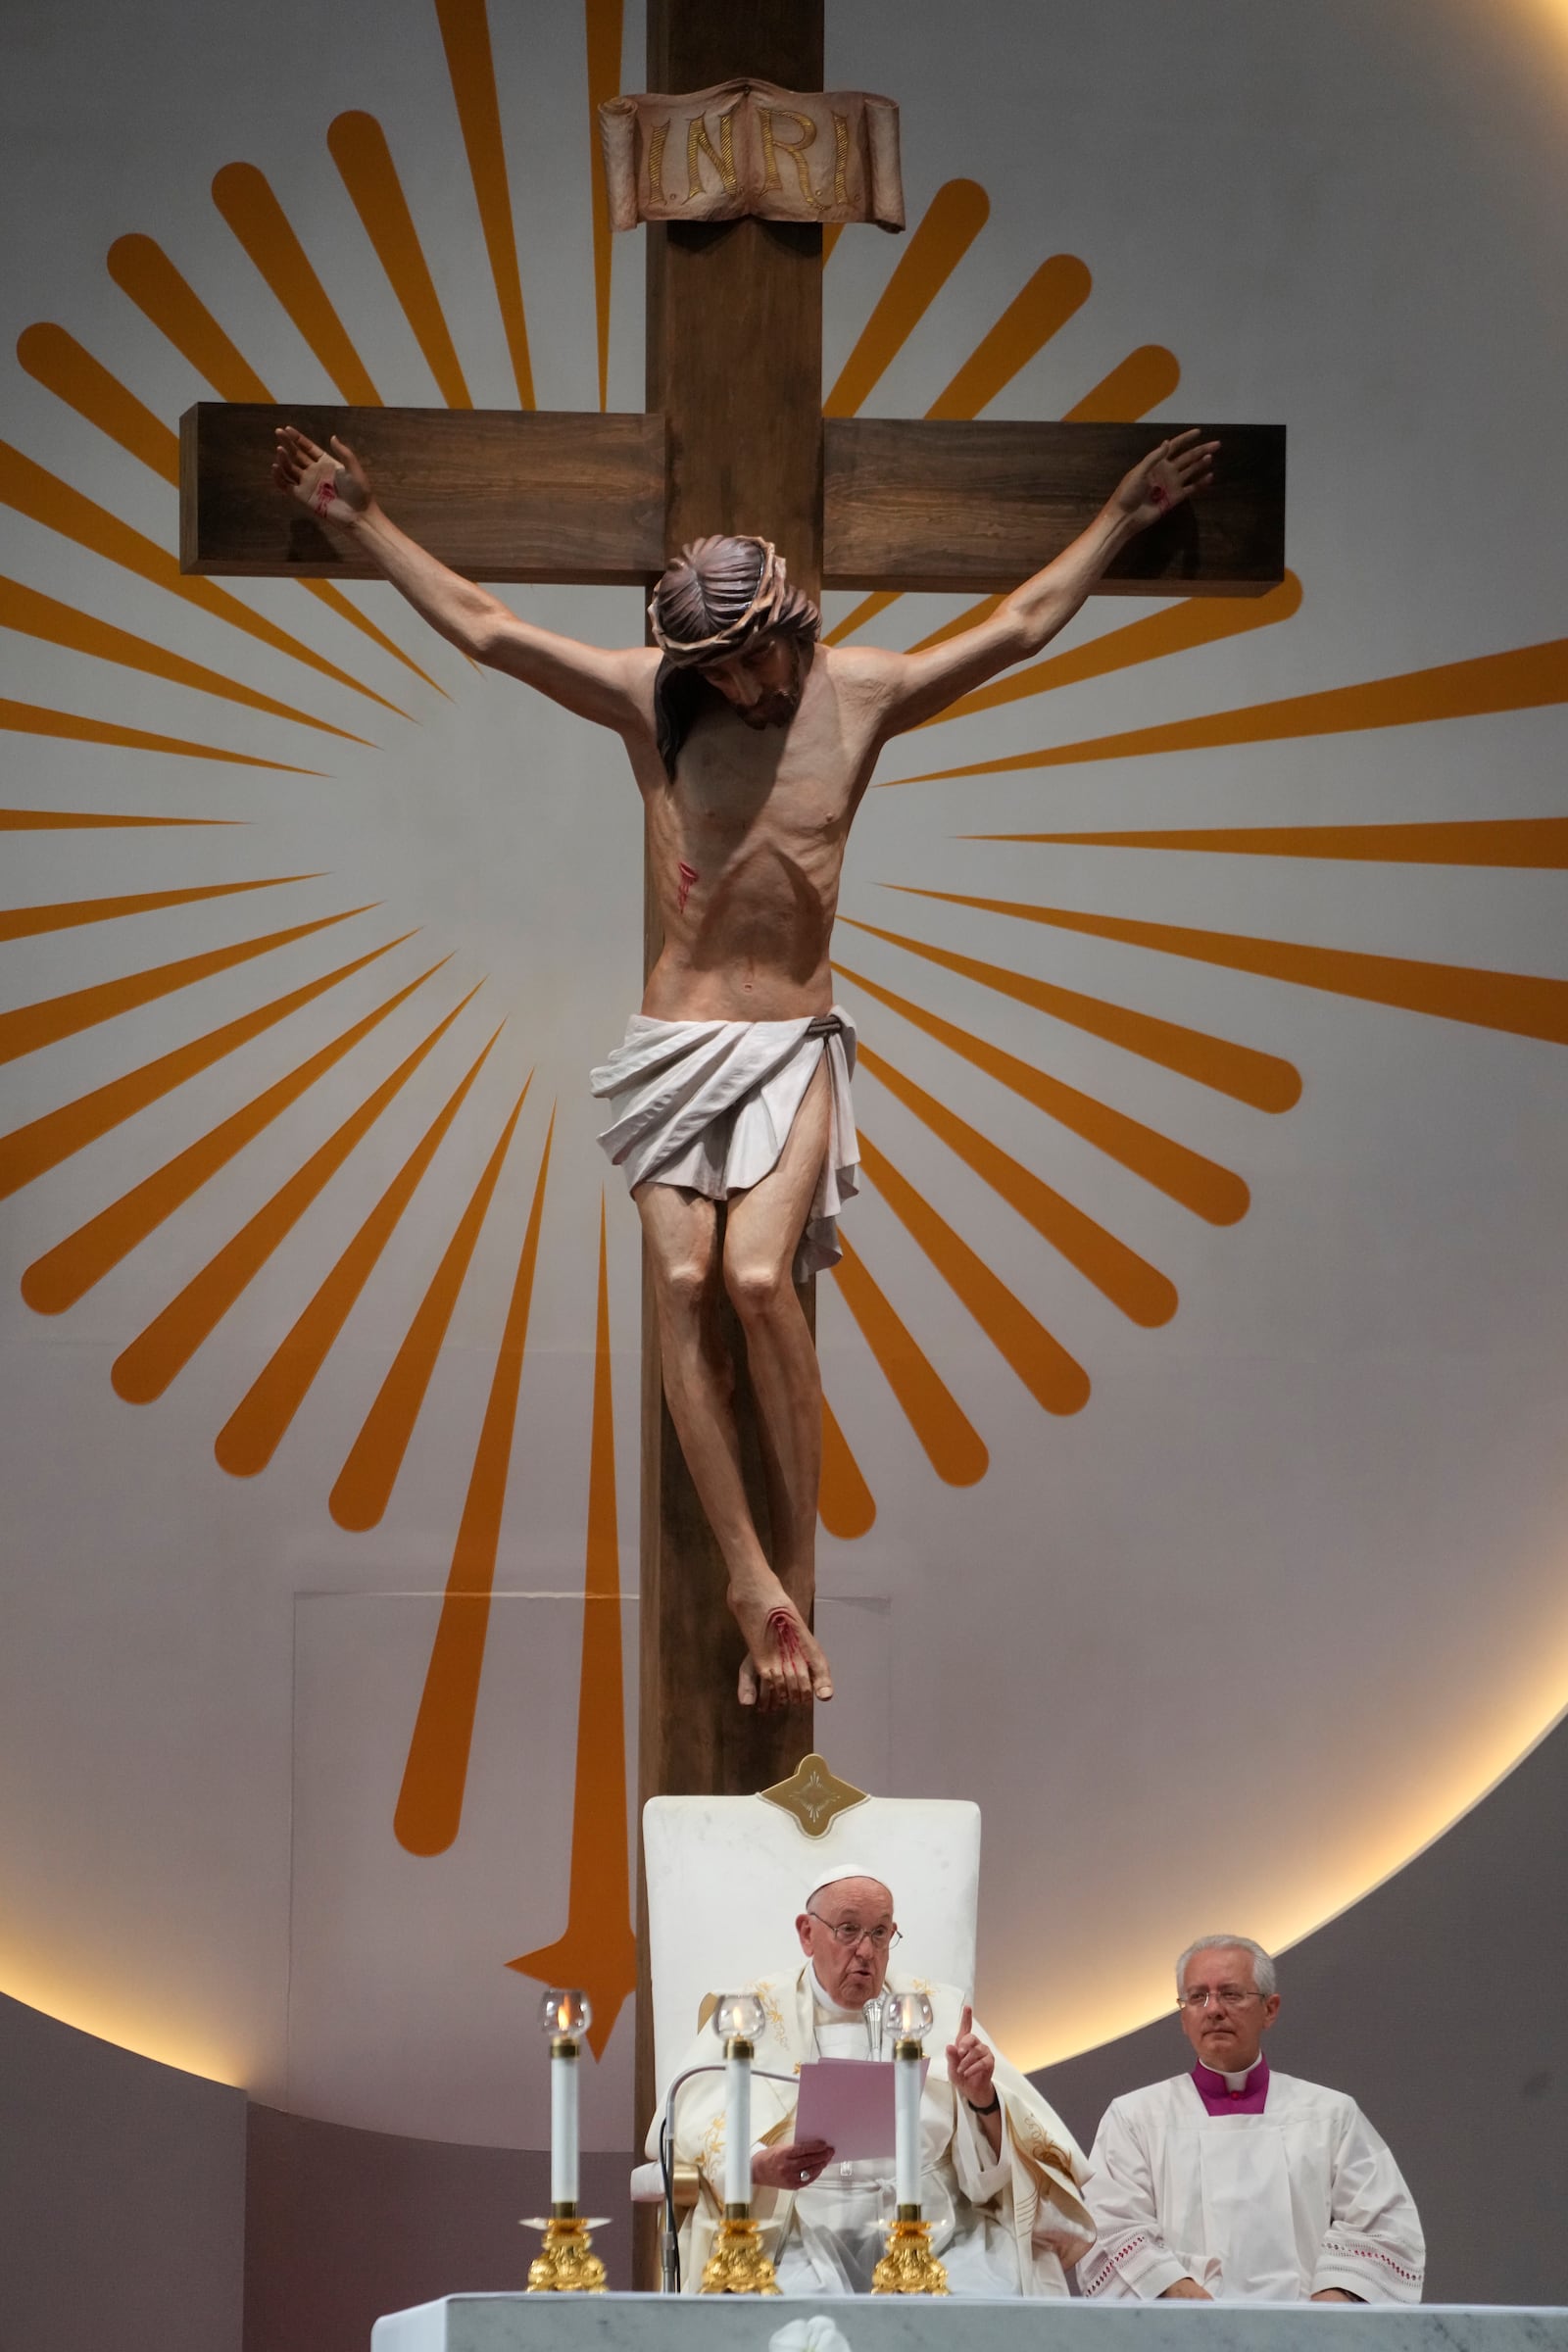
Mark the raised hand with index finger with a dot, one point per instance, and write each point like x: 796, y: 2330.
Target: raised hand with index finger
x: 971, y: 2065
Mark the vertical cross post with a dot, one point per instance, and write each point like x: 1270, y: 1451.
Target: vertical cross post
x: 734, y: 345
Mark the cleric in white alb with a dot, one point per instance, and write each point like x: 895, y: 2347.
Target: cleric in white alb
x: 1001, y: 2171
x: 1234, y: 2183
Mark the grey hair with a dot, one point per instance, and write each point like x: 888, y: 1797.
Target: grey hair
x: 1263, y: 1971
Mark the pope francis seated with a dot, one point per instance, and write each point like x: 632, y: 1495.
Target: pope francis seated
x: 1000, y: 2173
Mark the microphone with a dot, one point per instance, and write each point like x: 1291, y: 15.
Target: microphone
x: 669, y: 2235
x: 874, y: 2013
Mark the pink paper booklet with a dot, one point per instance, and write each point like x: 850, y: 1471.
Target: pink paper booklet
x: 849, y: 2103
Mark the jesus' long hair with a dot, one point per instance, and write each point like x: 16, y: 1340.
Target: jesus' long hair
x: 721, y: 596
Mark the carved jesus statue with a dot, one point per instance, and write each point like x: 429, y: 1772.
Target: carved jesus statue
x: 752, y: 746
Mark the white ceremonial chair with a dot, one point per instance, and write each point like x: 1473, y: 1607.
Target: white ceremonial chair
x: 727, y: 1874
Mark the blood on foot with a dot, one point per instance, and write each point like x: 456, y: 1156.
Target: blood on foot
x: 784, y: 1627
x: 686, y: 875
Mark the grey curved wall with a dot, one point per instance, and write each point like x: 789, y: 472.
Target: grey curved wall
x: 1439, y: 2003
x: 121, y: 2196
x: 342, y: 2225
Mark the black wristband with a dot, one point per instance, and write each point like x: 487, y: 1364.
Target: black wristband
x: 991, y: 2110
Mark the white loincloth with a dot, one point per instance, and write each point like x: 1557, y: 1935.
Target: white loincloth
x: 708, y: 1105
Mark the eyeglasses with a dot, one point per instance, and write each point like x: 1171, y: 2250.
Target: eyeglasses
x: 881, y: 1940
x: 1232, y: 1995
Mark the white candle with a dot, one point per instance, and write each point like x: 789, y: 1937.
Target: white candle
x: 907, y: 2127
x: 737, y: 2124
x: 564, y: 2064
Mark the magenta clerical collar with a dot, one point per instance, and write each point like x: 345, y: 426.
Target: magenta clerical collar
x: 1214, y: 2089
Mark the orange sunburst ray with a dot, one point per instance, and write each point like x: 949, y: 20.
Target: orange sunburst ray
x: 33, y: 615
x: 159, y: 1353
x: 1176, y: 629
x: 248, y: 203
x: 1039, y: 309
x: 845, y: 1503
x: 1523, y: 678
x: 1534, y: 842
x: 144, y: 273
x: 1262, y: 1079
x: 1054, y: 1380
x: 969, y: 618
x: 32, y: 490
x: 604, y: 31
x: 466, y: 36
x: 952, y: 1445
x: 358, y: 147
x: 1524, y: 1004
x: 27, y: 1028
x: 1212, y: 1192
x: 68, y: 1271
x: 1136, y: 384
x: 364, y: 1486
x: 55, y: 358
x: 599, y: 1948
x: 1142, y: 1294
x: 33, y: 718
x: 429, y: 1807
x: 67, y: 914
x: 944, y: 234
x: 28, y: 1153
x: 254, y: 1431
x: 71, y: 820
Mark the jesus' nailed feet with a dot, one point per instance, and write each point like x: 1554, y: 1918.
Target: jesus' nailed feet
x: 784, y: 1665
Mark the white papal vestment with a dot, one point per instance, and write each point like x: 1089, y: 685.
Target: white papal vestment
x: 1004, y: 2224
x: 1259, y: 2208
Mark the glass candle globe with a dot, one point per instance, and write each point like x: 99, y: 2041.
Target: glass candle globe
x: 739, y: 2017
x: 566, y: 2010
x: 908, y: 2016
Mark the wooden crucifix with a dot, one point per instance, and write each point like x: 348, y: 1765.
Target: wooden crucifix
x: 733, y: 439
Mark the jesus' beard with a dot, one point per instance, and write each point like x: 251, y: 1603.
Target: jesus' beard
x: 772, y: 711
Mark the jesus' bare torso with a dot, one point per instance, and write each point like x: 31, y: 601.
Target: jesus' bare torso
x: 746, y: 844
x: 749, y: 807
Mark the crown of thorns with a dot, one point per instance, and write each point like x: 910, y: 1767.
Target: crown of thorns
x: 774, y: 605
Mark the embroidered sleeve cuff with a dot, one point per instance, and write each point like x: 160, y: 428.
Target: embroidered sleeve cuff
x: 1374, y: 2277
x: 1138, y: 2261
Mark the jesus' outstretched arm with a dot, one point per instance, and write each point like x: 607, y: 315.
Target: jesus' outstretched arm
x: 611, y: 688
x: 917, y: 686
x: 747, y: 818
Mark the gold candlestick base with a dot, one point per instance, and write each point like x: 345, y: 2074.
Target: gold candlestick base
x: 565, y: 2264
x: 908, y: 2267
x: 738, y: 2264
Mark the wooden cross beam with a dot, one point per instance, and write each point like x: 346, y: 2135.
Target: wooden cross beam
x: 733, y: 439
x: 906, y: 502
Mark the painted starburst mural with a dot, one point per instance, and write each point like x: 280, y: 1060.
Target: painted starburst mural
x: 304, y: 1116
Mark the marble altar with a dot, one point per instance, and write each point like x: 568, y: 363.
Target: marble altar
x: 518, y: 2323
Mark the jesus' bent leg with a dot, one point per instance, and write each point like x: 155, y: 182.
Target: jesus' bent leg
x: 762, y: 1231
x: 680, y: 1229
